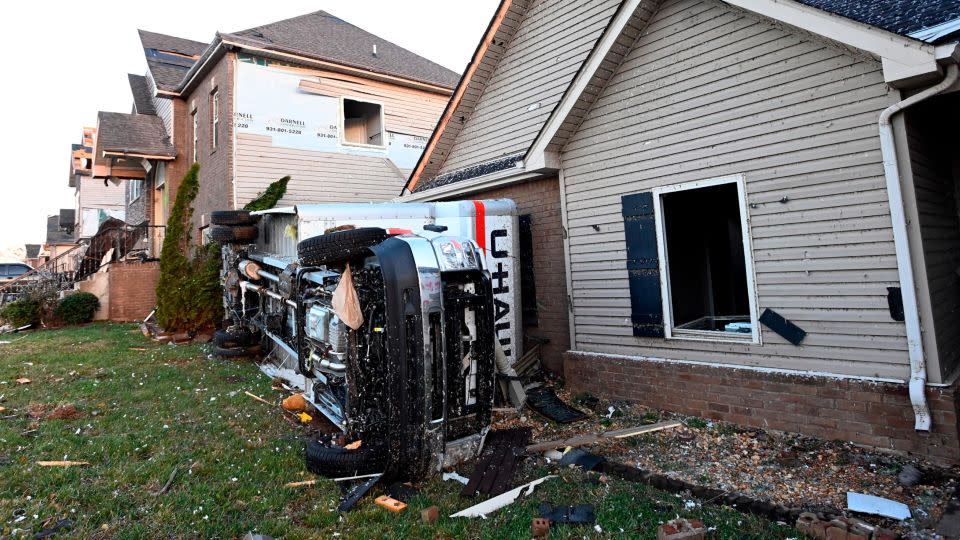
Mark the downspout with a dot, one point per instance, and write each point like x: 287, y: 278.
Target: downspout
x: 918, y: 368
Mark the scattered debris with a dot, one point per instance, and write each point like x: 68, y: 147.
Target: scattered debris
x: 300, y: 484
x: 540, y: 528
x: 581, y: 514
x: 847, y: 528
x: 256, y: 536
x: 581, y: 440
x: 495, y: 503
x: 294, y: 403
x: 390, y: 503
x: 495, y: 468
x: 23, y: 380
x: 402, y: 491
x: 166, y: 487
x: 682, y: 529
x: 581, y: 458
x: 543, y: 400
x: 454, y: 476
x: 430, y: 514
x: 909, y: 476
x: 62, y: 463
x: 354, y: 445
x: 258, y: 398
x: 304, y: 417
x: 61, y: 525
x: 358, y: 492
x: 870, y: 504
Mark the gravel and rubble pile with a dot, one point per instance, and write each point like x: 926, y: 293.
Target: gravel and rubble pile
x: 784, y: 468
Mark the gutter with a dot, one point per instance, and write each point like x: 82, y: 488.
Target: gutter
x: 918, y: 369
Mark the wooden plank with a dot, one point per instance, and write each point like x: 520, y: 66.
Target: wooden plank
x: 581, y: 440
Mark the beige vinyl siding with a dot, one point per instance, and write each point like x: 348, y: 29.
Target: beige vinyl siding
x: 94, y: 194
x: 316, y: 177
x: 163, y: 106
x: 537, y: 66
x: 709, y: 91
x: 935, y: 166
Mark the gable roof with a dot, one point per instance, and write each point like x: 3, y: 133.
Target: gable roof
x: 326, y: 37
x: 141, y: 94
x: 169, y: 58
x: 894, y: 34
x: 539, y: 48
x: 32, y: 250
x: 903, y: 17
x: 57, y: 234
x: 133, y: 134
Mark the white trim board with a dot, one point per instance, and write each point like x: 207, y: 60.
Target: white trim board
x: 667, y: 304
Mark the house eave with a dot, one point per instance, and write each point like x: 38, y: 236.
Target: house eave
x: 481, y: 183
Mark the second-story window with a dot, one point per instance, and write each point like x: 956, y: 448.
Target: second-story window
x: 195, y: 138
x: 215, y: 119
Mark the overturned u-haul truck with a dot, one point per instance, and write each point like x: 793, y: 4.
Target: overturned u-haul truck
x: 387, y: 317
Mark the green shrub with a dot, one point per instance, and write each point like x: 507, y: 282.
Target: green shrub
x: 78, y: 308
x: 21, y: 312
x: 188, y: 293
x: 269, y: 198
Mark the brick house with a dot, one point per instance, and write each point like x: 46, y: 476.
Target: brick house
x: 343, y: 112
x: 754, y: 226
x: 95, y: 199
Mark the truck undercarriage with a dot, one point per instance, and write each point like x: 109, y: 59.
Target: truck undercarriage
x: 414, y: 380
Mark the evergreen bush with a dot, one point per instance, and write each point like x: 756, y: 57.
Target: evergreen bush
x: 269, y: 198
x: 78, y: 308
x: 21, y: 312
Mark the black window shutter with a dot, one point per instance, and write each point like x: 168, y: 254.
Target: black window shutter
x: 528, y: 284
x: 643, y: 265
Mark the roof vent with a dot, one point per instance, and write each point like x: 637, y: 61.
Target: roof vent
x: 374, y: 49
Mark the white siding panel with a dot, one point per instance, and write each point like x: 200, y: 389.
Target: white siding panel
x: 536, y: 67
x: 710, y: 91
x: 316, y: 177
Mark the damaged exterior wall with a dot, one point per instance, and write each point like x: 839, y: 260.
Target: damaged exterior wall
x: 325, y: 169
x: 710, y: 91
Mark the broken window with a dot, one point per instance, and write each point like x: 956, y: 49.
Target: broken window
x: 706, y: 261
x: 362, y: 123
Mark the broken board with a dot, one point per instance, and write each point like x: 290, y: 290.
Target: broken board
x: 545, y: 401
x: 493, y: 474
x: 591, y: 438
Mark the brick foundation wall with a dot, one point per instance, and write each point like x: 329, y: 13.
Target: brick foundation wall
x: 541, y: 199
x: 868, y: 413
x: 133, y: 289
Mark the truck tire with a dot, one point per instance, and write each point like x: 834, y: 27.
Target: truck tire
x: 337, y: 462
x: 228, y: 339
x: 241, y: 234
x: 237, y: 352
x: 339, y: 246
x: 230, y: 217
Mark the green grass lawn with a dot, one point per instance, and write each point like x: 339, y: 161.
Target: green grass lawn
x: 146, y: 409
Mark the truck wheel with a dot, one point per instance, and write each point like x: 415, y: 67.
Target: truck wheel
x: 231, y: 235
x: 337, y: 462
x: 339, y: 245
x: 237, y: 352
x: 230, y: 217
x: 232, y: 338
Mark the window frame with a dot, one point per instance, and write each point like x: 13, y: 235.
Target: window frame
x: 214, y: 119
x: 136, y: 189
x: 342, y: 121
x: 669, y: 331
x: 196, y: 138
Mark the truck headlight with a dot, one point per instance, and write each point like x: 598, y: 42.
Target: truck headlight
x: 454, y: 254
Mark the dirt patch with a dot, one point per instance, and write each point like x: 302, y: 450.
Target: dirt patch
x: 67, y: 411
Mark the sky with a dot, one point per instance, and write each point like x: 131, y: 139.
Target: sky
x: 72, y: 60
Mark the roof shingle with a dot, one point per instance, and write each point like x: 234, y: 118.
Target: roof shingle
x: 323, y: 36
x: 169, y: 57
x: 902, y: 17
x: 132, y: 134
x: 141, y: 94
